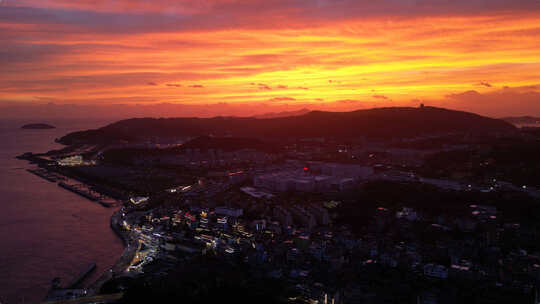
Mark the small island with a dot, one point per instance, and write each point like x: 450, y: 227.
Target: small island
x: 39, y: 126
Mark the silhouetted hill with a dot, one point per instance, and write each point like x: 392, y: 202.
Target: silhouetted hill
x: 283, y: 114
x: 523, y: 120
x: 223, y: 143
x: 40, y: 126
x: 374, y: 123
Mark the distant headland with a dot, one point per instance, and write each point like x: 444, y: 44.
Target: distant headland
x: 38, y: 126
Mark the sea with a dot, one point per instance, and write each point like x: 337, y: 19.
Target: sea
x: 45, y: 230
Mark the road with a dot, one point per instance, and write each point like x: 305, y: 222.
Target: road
x: 132, y: 245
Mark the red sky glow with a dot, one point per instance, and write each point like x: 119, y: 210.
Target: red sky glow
x: 239, y: 57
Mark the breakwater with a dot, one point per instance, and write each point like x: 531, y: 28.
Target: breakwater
x: 82, y: 276
x: 81, y: 190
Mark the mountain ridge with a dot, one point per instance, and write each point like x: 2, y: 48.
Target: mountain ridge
x: 282, y: 114
x: 374, y: 123
x: 522, y: 119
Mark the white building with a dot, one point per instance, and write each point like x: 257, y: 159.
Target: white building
x: 342, y: 184
x: 293, y: 180
x: 435, y: 271
x: 344, y: 170
x: 304, y: 185
x: 229, y: 211
x: 138, y: 199
x: 256, y: 193
x: 408, y: 214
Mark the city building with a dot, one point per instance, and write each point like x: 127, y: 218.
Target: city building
x: 233, y: 212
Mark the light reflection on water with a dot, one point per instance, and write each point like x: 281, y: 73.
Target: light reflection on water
x: 45, y: 231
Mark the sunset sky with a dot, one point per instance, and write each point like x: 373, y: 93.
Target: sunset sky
x: 243, y: 57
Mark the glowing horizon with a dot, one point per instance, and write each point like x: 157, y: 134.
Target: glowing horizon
x: 317, y: 54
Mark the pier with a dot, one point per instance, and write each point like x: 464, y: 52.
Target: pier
x: 85, y: 191
x: 107, y: 203
x: 82, y: 276
x: 43, y: 173
x: 72, y: 293
x: 109, y: 298
x: 81, y: 189
x: 102, y: 195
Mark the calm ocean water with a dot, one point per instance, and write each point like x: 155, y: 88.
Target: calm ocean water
x: 45, y: 231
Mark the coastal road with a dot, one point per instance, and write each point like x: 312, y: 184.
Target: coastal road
x: 132, y: 245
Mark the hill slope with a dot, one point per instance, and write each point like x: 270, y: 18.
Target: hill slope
x: 522, y: 120
x: 204, y: 143
x: 375, y: 123
x: 283, y: 114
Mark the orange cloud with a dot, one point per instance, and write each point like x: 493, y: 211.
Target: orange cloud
x: 380, y: 97
x: 103, y: 52
x: 282, y: 99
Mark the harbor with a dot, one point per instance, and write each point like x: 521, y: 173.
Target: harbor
x: 87, y: 192
x: 71, y: 292
x: 46, y: 174
x: 75, y: 187
x: 54, y: 175
x: 80, y: 189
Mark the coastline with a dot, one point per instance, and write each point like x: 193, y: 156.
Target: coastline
x: 130, y: 248
x: 130, y: 244
x: 123, y: 261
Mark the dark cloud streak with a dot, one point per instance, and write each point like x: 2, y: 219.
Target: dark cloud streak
x: 246, y: 14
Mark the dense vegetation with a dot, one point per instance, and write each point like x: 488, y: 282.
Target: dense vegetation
x: 362, y: 205
x: 515, y: 162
